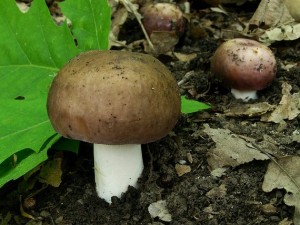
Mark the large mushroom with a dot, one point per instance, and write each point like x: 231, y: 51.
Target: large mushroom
x: 118, y: 101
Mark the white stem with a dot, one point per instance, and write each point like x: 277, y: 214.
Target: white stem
x: 244, y: 95
x: 116, y: 167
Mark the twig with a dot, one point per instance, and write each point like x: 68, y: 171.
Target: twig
x: 131, y: 8
x: 273, y: 159
x: 186, y: 77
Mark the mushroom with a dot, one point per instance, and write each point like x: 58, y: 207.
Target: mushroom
x: 244, y: 65
x: 163, y: 17
x: 117, y: 101
x: 165, y: 24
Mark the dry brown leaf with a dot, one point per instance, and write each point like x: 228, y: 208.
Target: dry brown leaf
x: 287, y: 32
x: 288, y: 108
x: 268, y: 209
x: 230, y: 150
x: 133, y: 8
x: 285, y: 221
x: 51, y: 172
x: 217, y: 192
x: 296, y: 136
x: 159, y: 209
x: 269, y: 145
x: 286, y: 65
x: 118, y: 19
x: 185, y: 57
x: 285, y: 173
x: 182, y: 169
x: 250, y: 110
x: 219, y: 172
x: 272, y: 22
x: 293, y: 7
x: 270, y: 14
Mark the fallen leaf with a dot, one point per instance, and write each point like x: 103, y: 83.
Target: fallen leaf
x: 286, y: 65
x: 230, y: 150
x: 270, y: 146
x: 159, y: 209
x: 293, y: 7
x: 51, y: 172
x: 285, y: 173
x: 296, y: 136
x: 288, y: 108
x: 182, y: 169
x: 287, y: 32
x: 272, y: 21
x: 218, y: 172
x: 285, y: 221
x: 189, y: 157
x: 217, y: 192
x: 185, y: 57
x: 268, y: 209
x: 250, y: 110
x: 118, y: 19
x: 270, y: 14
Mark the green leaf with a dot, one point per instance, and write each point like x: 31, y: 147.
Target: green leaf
x: 65, y: 144
x: 20, y: 163
x: 90, y: 22
x: 191, y: 106
x: 33, y: 49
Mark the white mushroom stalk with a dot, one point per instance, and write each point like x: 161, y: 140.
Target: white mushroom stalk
x: 116, y: 168
x: 244, y: 95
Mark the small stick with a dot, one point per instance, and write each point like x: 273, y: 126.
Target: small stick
x: 186, y: 77
x: 131, y: 8
x: 255, y: 146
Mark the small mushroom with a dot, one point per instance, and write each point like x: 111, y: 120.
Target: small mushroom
x: 163, y: 17
x: 165, y: 24
x: 245, y: 66
x: 118, y: 101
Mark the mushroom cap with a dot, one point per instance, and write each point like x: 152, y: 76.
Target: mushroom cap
x: 244, y: 64
x: 114, y: 97
x: 163, y: 17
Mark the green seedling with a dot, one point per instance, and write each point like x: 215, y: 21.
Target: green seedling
x: 191, y: 106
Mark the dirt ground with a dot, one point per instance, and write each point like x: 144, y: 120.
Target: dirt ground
x: 196, y: 197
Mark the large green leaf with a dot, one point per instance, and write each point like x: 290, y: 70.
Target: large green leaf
x: 33, y: 48
x: 89, y: 22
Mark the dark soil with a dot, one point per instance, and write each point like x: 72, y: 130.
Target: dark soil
x: 75, y: 201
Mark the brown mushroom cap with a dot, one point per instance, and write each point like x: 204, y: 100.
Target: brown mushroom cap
x: 163, y: 17
x: 244, y: 64
x: 114, y: 97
